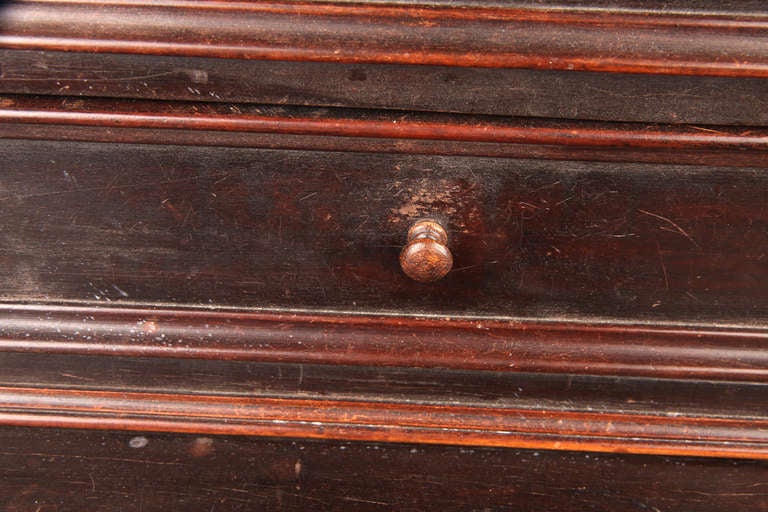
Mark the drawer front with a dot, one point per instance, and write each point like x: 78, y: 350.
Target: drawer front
x: 47, y: 469
x: 323, y: 230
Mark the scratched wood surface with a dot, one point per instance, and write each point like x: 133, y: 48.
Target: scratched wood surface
x: 300, y: 229
x: 429, y: 406
x: 375, y: 131
x: 200, y: 221
x: 659, y: 350
x: 623, y: 40
x: 515, y: 92
x: 58, y: 470
x: 676, y: 62
x: 528, y: 391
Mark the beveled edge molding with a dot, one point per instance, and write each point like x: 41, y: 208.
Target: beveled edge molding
x: 171, y: 122
x: 711, y: 352
x: 361, y: 420
x: 564, y: 39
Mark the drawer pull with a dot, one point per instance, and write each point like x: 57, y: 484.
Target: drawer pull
x: 426, y: 257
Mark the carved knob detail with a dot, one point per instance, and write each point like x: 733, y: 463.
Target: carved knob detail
x: 426, y: 257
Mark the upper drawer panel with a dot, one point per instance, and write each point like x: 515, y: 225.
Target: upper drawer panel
x: 323, y: 230
x: 573, y: 62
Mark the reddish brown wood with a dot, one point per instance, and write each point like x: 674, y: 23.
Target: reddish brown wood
x: 649, y: 396
x: 512, y: 92
x: 730, y: 156
x: 737, y: 353
x: 391, y: 422
x: 373, y: 131
x: 217, y: 268
x: 237, y: 227
x: 370, y: 124
x: 430, y: 406
x: 569, y: 39
x: 425, y: 257
x: 51, y: 469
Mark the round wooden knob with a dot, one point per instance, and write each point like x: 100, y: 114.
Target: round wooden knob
x: 426, y: 257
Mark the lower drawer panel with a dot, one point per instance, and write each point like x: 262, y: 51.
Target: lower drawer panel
x: 323, y: 230
x: 46, y: 469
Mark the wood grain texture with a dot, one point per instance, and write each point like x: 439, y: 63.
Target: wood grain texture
x: 240, y: 125
x: 322, y: 230
x: 677, y: 351
x: 167, y: 123
x: 603, y: 414
x: 425, y: 256
x: 242, y: 378
x: 512, y: 92
x: 73, y: 470
x: 384, y: 421
x: 190, y: 278
x: 567, y: 39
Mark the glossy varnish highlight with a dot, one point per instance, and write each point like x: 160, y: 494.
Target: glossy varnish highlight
x: 243, y: 227
x: 706, y: 352
x: 568, y: 39
x: 375, y: 403
x: 196, y: 473
x: 200, y: 221
x: 557, y: 94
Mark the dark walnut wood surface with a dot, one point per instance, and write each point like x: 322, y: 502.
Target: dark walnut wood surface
x: 375, y: 403
x: 514, y: 92
x: 689, y: 62
x: 202, y: 212
x: 51, y: 470
x: 655, y: 41
x: 302, y: 229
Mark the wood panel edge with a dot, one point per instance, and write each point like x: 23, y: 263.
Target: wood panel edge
x: 385, y: 422
x: 712, y: 352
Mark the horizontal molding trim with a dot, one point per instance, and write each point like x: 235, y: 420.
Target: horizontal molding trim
x: 564, y: 39
x: 386, y: 422
x: 373, y: 131
x: 734, y: 353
